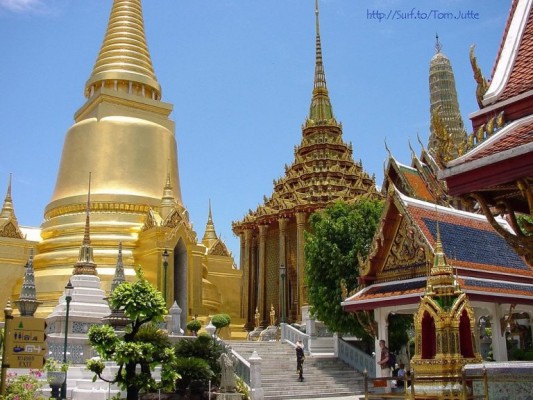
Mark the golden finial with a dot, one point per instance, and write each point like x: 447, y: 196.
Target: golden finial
x: 387, y: 148
x: 124, y: 61
x: 482, y: 84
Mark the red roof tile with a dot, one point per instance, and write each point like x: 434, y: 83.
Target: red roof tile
x: 510, y: 140
x: 521, y: 78
x: 418, y: 185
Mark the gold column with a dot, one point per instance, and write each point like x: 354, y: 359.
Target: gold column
x: 248, y: 300
x: 244, y: 281
x: 283, y: 261
x: 261, y: 295
x: 300, y: 260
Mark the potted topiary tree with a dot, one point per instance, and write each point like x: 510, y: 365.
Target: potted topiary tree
x: 194, y: 326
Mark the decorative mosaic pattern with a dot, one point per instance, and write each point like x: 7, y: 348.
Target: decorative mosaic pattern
x: 81, y: 327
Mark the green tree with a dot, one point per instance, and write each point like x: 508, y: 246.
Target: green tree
x: 143, y: 343
x: 338, y: 235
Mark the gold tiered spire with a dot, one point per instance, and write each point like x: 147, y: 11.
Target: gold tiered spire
x: 321, y: 111
x: 86, y: 264
x: 9, y: 226
x: 210, y: 235
x: 7, y: 209
x: 124, y: 62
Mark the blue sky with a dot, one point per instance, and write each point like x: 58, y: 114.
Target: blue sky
x: 239, y: 74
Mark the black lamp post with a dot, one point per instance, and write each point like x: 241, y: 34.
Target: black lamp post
x: 165, y: 266
x: 68, y: 298
x: 282, y: 274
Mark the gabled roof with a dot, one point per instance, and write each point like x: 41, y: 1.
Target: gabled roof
x: 512, y: 74
x: 487, y: 267
x: 512, y: 136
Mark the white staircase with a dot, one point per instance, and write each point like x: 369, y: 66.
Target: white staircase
x: 324, y: 376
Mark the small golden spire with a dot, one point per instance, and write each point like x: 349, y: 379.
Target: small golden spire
x: 86, y: 264
x: 124, y: 61
x: 210, y: 235
x: 7, y: 209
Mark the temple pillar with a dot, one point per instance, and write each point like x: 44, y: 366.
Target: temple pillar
x: 381, y: 318
x: 499, y: 343
x: 283, y: 295
x: 248, y: 281
x: 261, y: 288
x: 244, y: 282
x: 301, y: 296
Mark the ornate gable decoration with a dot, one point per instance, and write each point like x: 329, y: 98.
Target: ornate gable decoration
x: 407, y: 251
x: 151, y: 221
x: 219, y: 249
x: 10, y: 229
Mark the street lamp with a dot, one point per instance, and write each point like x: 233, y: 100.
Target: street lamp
x: 165, y: 266
x: 68, y: 298
x: 282, y: 274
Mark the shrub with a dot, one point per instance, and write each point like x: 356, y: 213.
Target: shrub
x: 192, y: 369
x: 203, y: 347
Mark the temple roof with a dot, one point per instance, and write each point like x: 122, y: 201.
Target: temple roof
x: 408, y: 292
x: 512, y: 74
x: 406, y: 242
x: 323, y: 170
x: 124, y: 55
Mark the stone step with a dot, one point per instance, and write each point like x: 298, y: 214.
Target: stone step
x: 325, y: 375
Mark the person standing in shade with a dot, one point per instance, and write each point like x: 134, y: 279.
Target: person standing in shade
x: 384, y: 363
x: 300, y: 357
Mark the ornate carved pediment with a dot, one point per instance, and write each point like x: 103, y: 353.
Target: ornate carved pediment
x: 151, y: 221
x: 408, y: 248
x: 219, y: 249
x: 11, y: 230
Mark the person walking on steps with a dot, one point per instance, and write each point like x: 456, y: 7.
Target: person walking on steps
x: 300, y: 357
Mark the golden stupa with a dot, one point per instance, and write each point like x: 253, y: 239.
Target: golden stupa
x: 124, y: 138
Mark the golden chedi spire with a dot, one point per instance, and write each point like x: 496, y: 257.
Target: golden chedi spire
x: 321, y: 111
x: 124, y: 56
x: 210, y: 236
x: 124, y: 136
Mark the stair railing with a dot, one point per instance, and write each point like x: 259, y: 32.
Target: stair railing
x: 291, y: 335
x: 356, y: 358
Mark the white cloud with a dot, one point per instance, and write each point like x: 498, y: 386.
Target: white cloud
x: 22, y: 5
